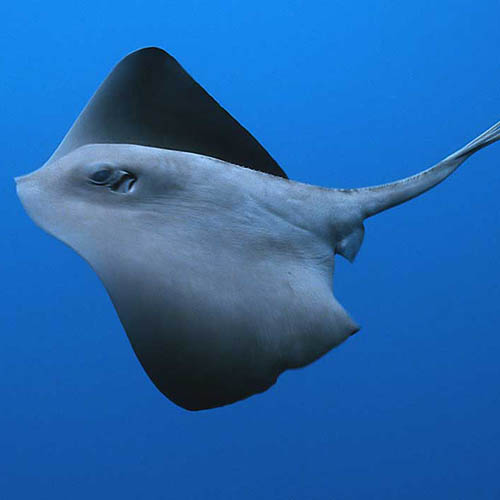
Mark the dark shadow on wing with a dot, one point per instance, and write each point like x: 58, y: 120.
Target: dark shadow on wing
x: 149, y: 99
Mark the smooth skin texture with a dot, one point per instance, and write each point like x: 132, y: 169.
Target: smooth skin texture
x: 221, y: 273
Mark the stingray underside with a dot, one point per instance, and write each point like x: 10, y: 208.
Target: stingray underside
x: 213, y: 335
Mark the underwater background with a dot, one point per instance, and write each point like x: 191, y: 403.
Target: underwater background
x: 342, y: 94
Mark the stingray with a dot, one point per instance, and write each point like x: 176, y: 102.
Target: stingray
x: 219, y: 267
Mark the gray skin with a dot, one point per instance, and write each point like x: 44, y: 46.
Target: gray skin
x: 221, y: 275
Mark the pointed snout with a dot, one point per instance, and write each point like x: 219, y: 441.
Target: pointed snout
x: 29, y: 192
x: 20, y: 179
x: 24, y: 183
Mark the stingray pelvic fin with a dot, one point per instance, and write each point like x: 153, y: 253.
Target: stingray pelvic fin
x: 349, y: 246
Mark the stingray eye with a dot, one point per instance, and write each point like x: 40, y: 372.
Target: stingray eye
x: 123, y: 182
x: 119, y: 181
x: 101, y: 176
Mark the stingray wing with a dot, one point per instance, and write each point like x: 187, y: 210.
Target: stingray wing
x: 150, y: 100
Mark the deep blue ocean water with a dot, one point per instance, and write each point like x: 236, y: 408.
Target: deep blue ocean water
x: 342, y: 94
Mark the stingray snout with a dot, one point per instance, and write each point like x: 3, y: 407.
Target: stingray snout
x: 25, y: 184
x: 27, y: 179
x: 22, y: 185
x: 21, y: 178
x: 31, y: 195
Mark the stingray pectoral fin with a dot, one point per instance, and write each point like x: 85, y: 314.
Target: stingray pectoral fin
x: 375, y: 199
x: 150, y: 100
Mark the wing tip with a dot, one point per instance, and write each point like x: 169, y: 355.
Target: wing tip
x: 151, y: 51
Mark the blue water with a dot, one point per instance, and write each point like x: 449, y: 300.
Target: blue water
x: 342, y: 94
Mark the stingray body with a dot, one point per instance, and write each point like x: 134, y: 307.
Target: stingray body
x: 220, y: 268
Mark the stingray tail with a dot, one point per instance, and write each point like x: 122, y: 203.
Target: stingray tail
x: 375, y: 199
